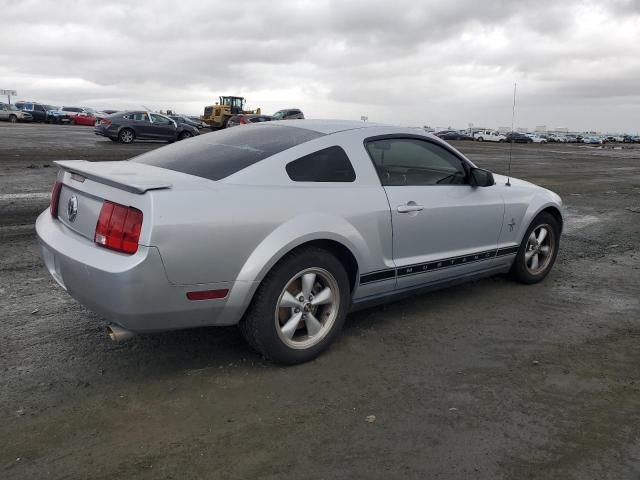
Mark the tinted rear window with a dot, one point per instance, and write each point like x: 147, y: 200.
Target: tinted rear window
x: 219, y: 154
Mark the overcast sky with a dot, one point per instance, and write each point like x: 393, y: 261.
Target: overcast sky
x: 438, y: 63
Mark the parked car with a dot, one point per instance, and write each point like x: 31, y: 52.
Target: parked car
x: 516, y: 137
x: 537, y: 138
x: 246, y: 119
x: 631, y: 139
x: 489, y: 136
x: 71, y: 112
x: 188, y: 121
x: 288, y: 114
x: 84, y: 118
x: 38, y: 111
x: 13, y: 114
x: 592, y: 140
x: 453, y: 135
x: 126, y: 127
x: 553, y: 138
x: 55, y: 115
x: 208, y: 232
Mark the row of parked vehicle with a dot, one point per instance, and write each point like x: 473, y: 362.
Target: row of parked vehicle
x: 245, y: 119
x: 517, y: 137
x: 40, y: 112
x: 129, y: 126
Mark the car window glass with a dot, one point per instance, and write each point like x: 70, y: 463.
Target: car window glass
x: 140, y: 117
x: 220, y: 154
x: 159, y: 119
x: 39, y: 108
x: 329, y: 165
x: 28, y: 106
x: 408, y: 161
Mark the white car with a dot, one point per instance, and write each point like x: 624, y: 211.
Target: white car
x: 489, y: 136
x: 537, y: 138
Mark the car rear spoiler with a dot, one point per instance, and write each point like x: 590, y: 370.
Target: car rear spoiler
x: 132, y: 177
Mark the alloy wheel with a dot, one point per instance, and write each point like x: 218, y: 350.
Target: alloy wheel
x: 539, y: 250
x: 307, y: 308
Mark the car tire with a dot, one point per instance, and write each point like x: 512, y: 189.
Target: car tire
x: 185, y: 135
x: 126, y: 135
x: 287, y: 330
x: 480, y: 139
x: 13, y: 119
x: 500, y: 140
x: 529, y: 141
x: 531, y: 267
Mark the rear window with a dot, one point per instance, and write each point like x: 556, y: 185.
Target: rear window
x: 219, y: 154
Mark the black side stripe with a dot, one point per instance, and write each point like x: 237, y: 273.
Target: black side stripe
x: 377, y: 276
x: 507, y: 251
x: 380, y: 275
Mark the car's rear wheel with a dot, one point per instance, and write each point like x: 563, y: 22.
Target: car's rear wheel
x: 299, y: 308
x: 185, y: 135
x: 480, y: 139
x: 126, y: 135
x: 538, y: 250
x: 13, y: 119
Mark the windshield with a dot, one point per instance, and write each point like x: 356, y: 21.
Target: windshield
x: 278, y: 115
x: 11, y: 106
x: 220, y: 154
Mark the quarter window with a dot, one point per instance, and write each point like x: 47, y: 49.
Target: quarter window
x: 410, y: 161
x: 329, y: 165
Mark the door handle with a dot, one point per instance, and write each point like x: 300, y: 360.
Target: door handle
x: 410, y: 207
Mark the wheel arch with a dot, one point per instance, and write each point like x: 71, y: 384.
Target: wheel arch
x: 555, y: 213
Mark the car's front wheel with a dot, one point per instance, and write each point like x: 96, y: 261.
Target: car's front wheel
x: 185, y: 135
x: 538, y: 250
x: 13, y: 119
x: 480, y: 139
x: 299, y: 308
x: 126, y: 135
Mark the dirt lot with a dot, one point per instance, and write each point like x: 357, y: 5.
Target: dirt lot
x: 491, y: 380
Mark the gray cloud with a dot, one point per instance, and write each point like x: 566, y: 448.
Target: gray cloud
x: 438, y: 63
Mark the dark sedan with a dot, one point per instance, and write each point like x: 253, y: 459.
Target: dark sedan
x: 516, y: 137
x: 453, y: 135
x: 126, y: 127
x: 188, y: 121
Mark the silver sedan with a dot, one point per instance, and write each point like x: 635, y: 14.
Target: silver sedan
x: 284, y: 227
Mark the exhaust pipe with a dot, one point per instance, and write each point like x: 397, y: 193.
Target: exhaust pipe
x: 119, y: 334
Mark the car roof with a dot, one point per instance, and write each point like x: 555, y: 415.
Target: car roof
x: 327, y: 126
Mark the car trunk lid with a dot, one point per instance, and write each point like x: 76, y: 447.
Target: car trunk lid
x: 128, y: 176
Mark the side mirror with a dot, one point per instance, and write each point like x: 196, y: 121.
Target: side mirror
x: 481, y: 178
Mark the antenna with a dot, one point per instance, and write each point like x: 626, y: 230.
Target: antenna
x: 513, y: 116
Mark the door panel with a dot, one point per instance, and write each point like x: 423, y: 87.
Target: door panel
x: 456, y: 226
x: 442, y: 226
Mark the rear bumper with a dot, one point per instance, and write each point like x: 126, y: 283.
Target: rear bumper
x: 131, y: 290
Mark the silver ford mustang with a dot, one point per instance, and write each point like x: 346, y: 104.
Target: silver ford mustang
x: 284, y: 227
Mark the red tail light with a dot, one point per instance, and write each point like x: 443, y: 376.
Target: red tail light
x: 118, y: 227
x: 55, y: 198
x: 243, y: 120
x: 104, y: 121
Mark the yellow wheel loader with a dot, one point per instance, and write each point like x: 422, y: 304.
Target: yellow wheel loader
x: 219, y: 114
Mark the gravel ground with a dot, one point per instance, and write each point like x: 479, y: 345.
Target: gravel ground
x: 490, y: 380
